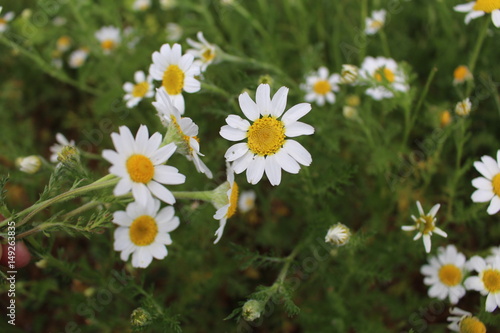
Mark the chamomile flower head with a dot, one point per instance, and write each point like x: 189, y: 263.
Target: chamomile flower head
x: 174, y: 31
x: 141, y: 5
x: 374, y: 23
x: 246, y: 201
x: 139, y: 163
x: 444, y: 274
x: 143, y: 231
x: 30, y: 164
x: 463, y: 108
x: 5, y: 19
x: 487, y: 282
x: 109, y: 37
x: 425, y: 224
x: 267, y: 147
x: 384, y: 76
x: 475, y: 9
x: 203, y: 52
x: 176, y: 72
x: 180, y: 130
x: 225, y: 200
x: 463, y: 322
x: 488, y: 186
x: 78, y: 57
x: 349, y: 74
x: 135, y: 92
x: 320, y: 86
x: 56, y: 148
x: 63, y: 43
x: 338, y: 234
x: 461, y: 74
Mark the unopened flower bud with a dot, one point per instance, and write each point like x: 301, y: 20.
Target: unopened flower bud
x: 30, y: 164
x: 252, y: 309
x: 338, y: 234
x: 350, y: 112
x: 140, y: 318
x: 348, y: 74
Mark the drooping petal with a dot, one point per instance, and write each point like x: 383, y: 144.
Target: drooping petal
x: 255, y: 170
x: 273, y: 170
x: 161, y: 192
x: 298, y: 152
x: 494, y: 206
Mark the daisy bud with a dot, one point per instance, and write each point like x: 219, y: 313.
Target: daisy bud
x: 266, y: 79
x: 353, y: 100
x: 252, y: 309
x: 463, y: 108
x: 41, y: 263
x: 349, y: 74
x: 350, y: 112
x: 338, y: 234
x: 445, y: 118
x: 140, y: 318
x: 30, y: 164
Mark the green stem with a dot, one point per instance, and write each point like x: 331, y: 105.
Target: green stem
x: 81, y: 209
x: 364, y: 14
x: 195, y: 195
x: 477, y: 49
x: 385, y: 43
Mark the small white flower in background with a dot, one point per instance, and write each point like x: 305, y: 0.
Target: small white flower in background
x: 174, y: 32
x: 141, y: 5
x: 495, y: 252
x: 463, y: 108
x: 181, y: 130
x: 30, y: 164
x: 461, y: 74
x: 445, y: 273
x: 425, y: 224
x: 225, y: 200
x: 63, y: 43
x: 350, y: 112
x: 463, y: 322
x: 478, y: 8
x: 320, y: 87
x: 131, y: 37
x: 56, y: 148
x: 140, y: 163
x: 487, y: 282
x: 267, y: 148
x: 143, y: 88
x: 4, y: 20
x: 384, y: 76
x: 349, y: 74
x: 227, y: 2
x: 59, y: 21
x: 488, y: 186
x: 204, y: 52
x: 375, y: 22
x: 144, y: 231
x: 338, y: 234
x: 78, y: 57
x: 252, y: 309
x: 109, y: 37
x: 247, y: 201
x: 168, y: 4
x: 176, y: 71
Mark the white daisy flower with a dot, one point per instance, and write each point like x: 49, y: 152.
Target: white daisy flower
x: 463, y: 322
x: 174, y: 32
x: 225, y: 200
x: 375, y: 22
x: 445, y: 273
x: 141, y: 5
x: 56, y: 148
x: 478, y: 8
x: 487, y: 282
x: 109, y: 37
x: 30, y: 164
x: 463, y: 108
x: 181, y: 130
x: 142, y: 88
x: 204, y: 52
x: 488, y: 186
x: 426, y: 225
x: 320, y: 86
x: 176, y: 71
x: 144, y: 231
x: 139, y: 164
x: 246, y: 201
x: 168, y: 4
x: 63, y: 43
x: 338, y: 234
x: 384, y: 75
x: 4, y: 20
x: 349, y: 74
x: 267, y: 148
x: 78, y: 57
x: 495, y: 251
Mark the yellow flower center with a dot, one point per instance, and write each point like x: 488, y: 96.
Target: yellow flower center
x: 376, y: 24
x: 108, y: 44
x: 143, y: 230
x: 496, y: 184
x: 471, y: 325
x: 233, y: 201
x: 322, y: 87
x: 384, y: 73
x: 173, y: 80
x: 427, y: 224
x: 184, y: 137
x: 487, y: 6
x: 450, y: 275
x: 64, y: 41
x: 2, y: 21
x: 460, y: 73
x: 140, y: 89
x: 208, y: 55
x: 266, y: 136
x: 140, y: 168
x: 491, y: 280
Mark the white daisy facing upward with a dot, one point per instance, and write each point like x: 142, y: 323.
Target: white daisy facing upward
x: 246, y: 201
x: 385, y: 77
x: 139, y: 164
x: 225, y: 200
x: 478, y: 8
x: 109, y: 37
x: 267, y: 148
x: 374, y: 23
x: 143, y: 231
x: 142, y: 88
x: 320, y: 87
x: 204, y: 52
x: 425, y: 224
x: 56, y: 148
x: 488, y: 186
x: 176, y: 71
x: 487, y: 282
x: 4, y: 20
x: 445, y: 273
x: 463, y: 322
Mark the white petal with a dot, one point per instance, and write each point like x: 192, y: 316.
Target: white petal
x: 141, y: 258
x: 464, y: 8
x: 286, y: 162
x: 278, y: 103
x: 123, y: 187
x: 440, y: 232
x: 263, y: 99
x: 474, y: 283
x: 166, y: 174
x: 158, y: 251
x: 427, y: 243
x: 295, y: 113
x: 434, y: 210
x: 483, y: 170
x: 482, y: 183
x: 420, y: 209
x: 494, y: 206
x: 482, y: 195
x: 141, y: 193
x: 255, y: 170
x: 232, y: 134
x: 237, y: 122
x: 408, y: 228
x: 476, y: 263
x: 298, y: 128
x: 491, y: 303
x: 163, y: 154
x: 273, y: 170
x: 178, y: 102
x: 472, y: 15
x: 172, y: 224
x: 491, y: 165
x: 121, y: 218
x: 161, y: 192
x: 298, y: 152
x: 248, y: 107
x: 191, y: 85
x: 220, y: 231
x: 242, y: 163
x: 236, y: 151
